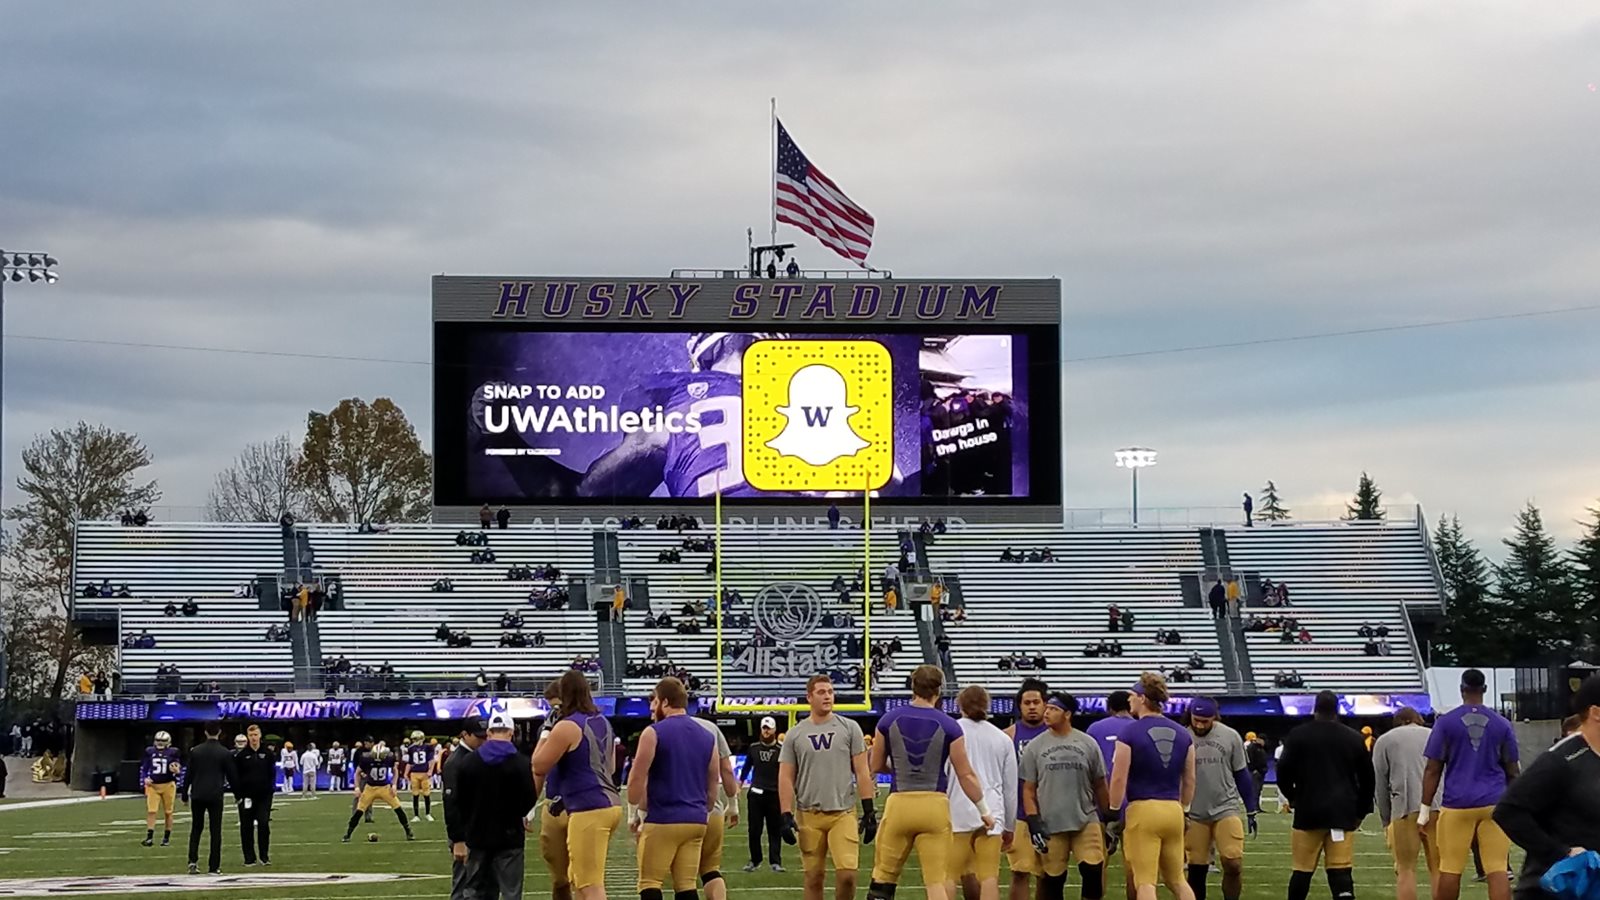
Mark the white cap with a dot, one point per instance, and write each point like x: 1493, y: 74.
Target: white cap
x: 769, y: 722
x: 501, y: 721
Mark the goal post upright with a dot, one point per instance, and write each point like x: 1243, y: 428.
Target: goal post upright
x: 794, y: 709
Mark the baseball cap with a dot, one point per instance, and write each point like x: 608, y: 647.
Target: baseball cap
x: 1473, y: 680
x: 769, y: 722
x: 474, y: 727
x: 1204, y: 707
x: 501, y: 721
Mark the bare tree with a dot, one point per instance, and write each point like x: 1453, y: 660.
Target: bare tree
x: 260, y: 486
x: 83, y: 472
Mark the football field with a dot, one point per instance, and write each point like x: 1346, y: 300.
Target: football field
x: 92, y: 849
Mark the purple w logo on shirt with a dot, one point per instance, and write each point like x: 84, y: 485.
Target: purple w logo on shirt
x: 821, y: 741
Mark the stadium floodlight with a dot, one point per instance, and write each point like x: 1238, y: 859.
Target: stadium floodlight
x: 36, y: 267
x: 1134, y: 459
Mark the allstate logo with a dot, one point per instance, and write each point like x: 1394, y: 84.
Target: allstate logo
x: 787, y: 611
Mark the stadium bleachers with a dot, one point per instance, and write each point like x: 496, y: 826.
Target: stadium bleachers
x: 173, y: 561
x: 751, y: 560
x: 1339, y: 576
x: 1056, y: 608
x: 390, y: 612
x: 229, y: 647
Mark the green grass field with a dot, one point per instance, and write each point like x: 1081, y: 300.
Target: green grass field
x: 102, y: 839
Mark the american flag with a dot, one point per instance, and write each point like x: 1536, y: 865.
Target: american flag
x: 810, y: 201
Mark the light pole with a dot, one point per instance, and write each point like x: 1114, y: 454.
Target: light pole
x: 1136, y: 458
x: 34, y: 268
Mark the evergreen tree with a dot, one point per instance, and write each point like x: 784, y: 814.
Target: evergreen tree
x: 1585, y: 559
x: 1535, y: 583
x: 1366, y: 504
x: 1476, y: 630
x: 1271, y: 508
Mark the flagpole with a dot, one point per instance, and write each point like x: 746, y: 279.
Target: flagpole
x: 773, y: 181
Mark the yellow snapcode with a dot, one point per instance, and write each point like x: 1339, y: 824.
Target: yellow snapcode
x: 818, y: 415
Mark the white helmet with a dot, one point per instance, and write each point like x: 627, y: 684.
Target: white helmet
x: 163, y: 740
x: 416, y: 735
x: 240, y: 740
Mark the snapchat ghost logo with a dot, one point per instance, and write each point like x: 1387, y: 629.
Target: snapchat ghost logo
x: 819, y: 418
x: 818, y: 415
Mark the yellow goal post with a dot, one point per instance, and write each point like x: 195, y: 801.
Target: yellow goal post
x: 794, y: 709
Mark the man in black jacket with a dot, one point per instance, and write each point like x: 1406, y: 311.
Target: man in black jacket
x: 761, y: 770
x: 254, y: 788
x: 472, y: 735
x: 1326, y: 775
x: 1553, y: 810
x: 211, y: 769
x: 495, y: 789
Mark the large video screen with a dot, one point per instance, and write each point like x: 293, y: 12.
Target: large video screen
x: 524, y: 415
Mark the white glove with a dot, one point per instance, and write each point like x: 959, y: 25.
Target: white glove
x: 1422, y: 815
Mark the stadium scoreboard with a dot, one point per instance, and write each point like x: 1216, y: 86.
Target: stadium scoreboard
x: 582, y: 398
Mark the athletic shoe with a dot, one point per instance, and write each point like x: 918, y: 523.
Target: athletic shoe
x: 265, y: 861
x: 751, y: 867
x: 429, y: 817
x: 214, y: 872
x: 410, y: 836
x: 777, y: 868
x: 194, y: 868
x: 345, y: 839
x: 166, y: 842
x: 147, y: 842
x: 250, y: 864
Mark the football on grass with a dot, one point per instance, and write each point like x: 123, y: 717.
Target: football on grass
x: 372, y: 837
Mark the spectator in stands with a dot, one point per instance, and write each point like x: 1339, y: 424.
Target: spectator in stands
x: 1286, y: 636
x: 1382, y: 631
x: 1039, y: 661
x: 833, y: 516
x: 1370, y: 648
x: 538, y: 639
x: 503, y: 518
x: 1303, y: 636
x: 942, y: 642
x: 1116, y: 648
x: 1196, y: 661
x: 485, y: 516
x: 1235, y: 596
x: 102, y: 686
x: 191, y: 608
x: 511, y: 620
x: 663, y: 524
x: 891, y: 600
x: 1113, y: 618
x: 443, y: 586
x: 481, y: 682
x: 1127, y: 622
x: 170, y: 610
x: 502, y: 683
x: 669, y: 555
x: 1009, y: 555
x: 1217, y: 599
x: 442, y: 633
x: 1249, y: 507
x: 1366, y: 630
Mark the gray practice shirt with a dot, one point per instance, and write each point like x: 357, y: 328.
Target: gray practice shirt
x: 1398, y: 762
x: 723, y: 752
x: 824, y: 780
x: 1217, y: 755
x: 1063, y: 768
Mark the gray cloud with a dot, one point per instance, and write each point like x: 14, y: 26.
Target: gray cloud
x: 288, y: 177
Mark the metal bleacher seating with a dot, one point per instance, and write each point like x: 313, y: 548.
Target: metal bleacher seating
x: 751, y: 560
x: 176, y: 561
x: 389, y: 611
x: 1056, y: 608
x: 1340, y: 576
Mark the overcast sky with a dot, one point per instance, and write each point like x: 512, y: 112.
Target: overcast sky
x: 288, y: 176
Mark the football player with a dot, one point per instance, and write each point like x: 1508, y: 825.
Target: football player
x: 422, y: 762
x: 159, y: 769
x: 375, y: 773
